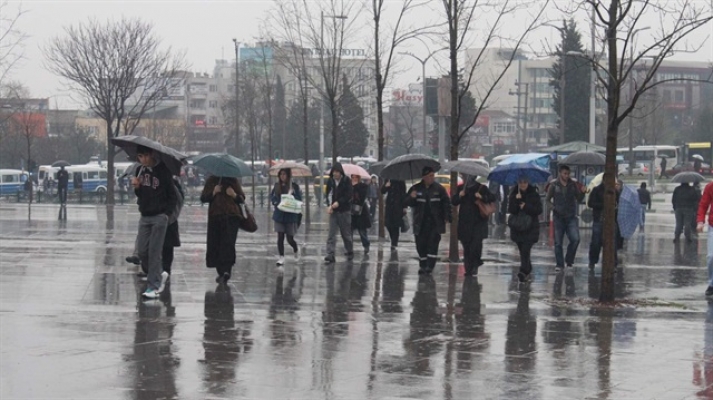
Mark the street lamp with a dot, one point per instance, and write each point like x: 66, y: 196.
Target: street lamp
x: 519, y: 93
x: 423, y: 79
x: 237, y: 97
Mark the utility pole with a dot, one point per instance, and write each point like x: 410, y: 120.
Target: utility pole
x: 563, y: 82
x: 236, y: 148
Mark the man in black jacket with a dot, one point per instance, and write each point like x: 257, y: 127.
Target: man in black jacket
x: 596, y: 203
x: 645, y: 200
x: 340, y: 214
x: 685, y: 204
x: 153, y: 185
x: 62, y: 184
x: 431, y: 209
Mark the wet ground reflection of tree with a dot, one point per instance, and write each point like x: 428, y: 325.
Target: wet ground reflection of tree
x: 521, y: 350
x: 426, y: 325
x: 154, y: 363
x: 223, y: 341
x: 602, y: 326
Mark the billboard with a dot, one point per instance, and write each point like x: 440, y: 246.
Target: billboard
x: 413, y: 96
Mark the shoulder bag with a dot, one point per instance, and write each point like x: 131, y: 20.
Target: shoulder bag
x: 247, y: 223
x: 486, y: 209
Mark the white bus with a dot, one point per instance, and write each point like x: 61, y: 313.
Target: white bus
x: 12, y: 181
x: 94, y: 177
x: 646, y: 154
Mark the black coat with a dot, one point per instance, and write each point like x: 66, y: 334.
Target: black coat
x: 342, y: 193
x: 533, y: 208
x: 471, y: 225
x: 440, y: 206
x: 395, y: 195
x: 359, y: 197
x: 685, y: 197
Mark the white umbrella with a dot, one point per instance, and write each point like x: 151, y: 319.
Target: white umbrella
x: 697, y: 156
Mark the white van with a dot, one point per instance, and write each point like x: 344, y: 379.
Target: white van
x: 94, y: 177
x: 12, y: 181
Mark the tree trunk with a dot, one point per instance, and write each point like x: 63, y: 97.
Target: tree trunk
x: 305, y: 121
x: 455, y: 118
x: 109, y: 165
x: 335, y: 130
x: 380, y: 125
x: 29, y: 173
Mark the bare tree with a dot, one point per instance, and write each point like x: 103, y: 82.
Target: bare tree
x: 11, y: 39
x: 406, y: 125
x: 119, y: 69
x: 29, y: 125
x: 633, y: 68
x: 461, y: 17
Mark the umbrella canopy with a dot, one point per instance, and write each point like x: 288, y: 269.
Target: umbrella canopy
x: 471, y: 168
x: 628, y: 211
x: 584, y: 158
x: 687, y: 177
x: 298, y: 170
x: 60, y: 163
x: 542, y: 160
x: 352, y: 169
x: 131, y: 170
x: 508, y: 174
x: 573, y: 147
x: 696, y: 156
x: 408, y: 167
x: 377, y: 167
x: 222, y: 164
x: 171, y: 157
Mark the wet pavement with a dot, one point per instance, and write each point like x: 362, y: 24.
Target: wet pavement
x: 72, y: 324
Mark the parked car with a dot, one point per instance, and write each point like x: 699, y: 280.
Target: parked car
x: 688, y: 166
x: 640, y: 169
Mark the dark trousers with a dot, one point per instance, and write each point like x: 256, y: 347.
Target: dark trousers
x: 167, y: 258
x: 364, y: 236
x: 595, y: 246
x: 472, y: 254
x: 281, y: 243
x: 683, y: 222
x: 427, y: 247
x: 525, y: 249
x: 220, y: 243
x: 62, y: 194
x: 394, y: 233
x: 372, y: 208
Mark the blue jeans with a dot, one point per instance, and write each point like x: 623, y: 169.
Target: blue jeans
x: 569, y: 226
x: 710, y: 255
x: 364, y: 236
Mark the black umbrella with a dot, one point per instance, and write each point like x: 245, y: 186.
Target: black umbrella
x: 585, y: 158
x: 408, y: 167
x: 687, y: 177
x: 60, y: 163
x: 471, y: 168
x: 171, y: 157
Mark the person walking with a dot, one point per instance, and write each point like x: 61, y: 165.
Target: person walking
x: 373, y: 196
x: 339, y: 210
x: 62, y: 185
x: 596, y: 203
x: 224, y: 195
x: 663, y: 168
x: 286, y: 223
x: 472, y: 227
x: 705, y: 206
x: 645, y: 200
x: 173, y: 238
x: 153, y: 186
x: 361, y: 217
x: 684, y: 201
x: 563, y: 196
x: 525, y: 198
x: 431, y: 209
x: 394, y: 211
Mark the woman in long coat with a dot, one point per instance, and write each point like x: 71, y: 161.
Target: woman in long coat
x: 472, y: 227
x: 362, y: 221
x: 395, y: 192
x: 525, y: 198
x: 225, y: 196
x: 286, y: 223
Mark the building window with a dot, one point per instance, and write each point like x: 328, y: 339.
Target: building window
x: 213, y: 120
x: 213, y: 88
x: 213, y: 104
x: 679, y: 96
x: 667, y: 96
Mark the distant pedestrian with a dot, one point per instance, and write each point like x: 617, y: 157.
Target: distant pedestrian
x: 431, y: 210
x: 563, y: 195
x: 225, y: 195
x: 361, y: 216
x: 525, y: 198
x: 663, y: 168
x: 706, y: 207
x: 394, y: 212
x: 472, y: 226
x: 286, y: 223
x: 645, y: 200
x: 373, y: 196
x: 62, y: 184
x: 340, y: 213
x: 154, y: 188
x: 684, y: 201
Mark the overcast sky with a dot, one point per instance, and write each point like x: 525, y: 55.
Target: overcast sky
x: 204, y: 29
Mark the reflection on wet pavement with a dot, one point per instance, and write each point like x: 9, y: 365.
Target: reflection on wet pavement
x: 73, y: 326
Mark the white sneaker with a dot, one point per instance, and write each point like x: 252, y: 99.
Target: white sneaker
x: 298, y: 253
x: 164, y: 279
x: 150, y: 294
x: 281, y: 260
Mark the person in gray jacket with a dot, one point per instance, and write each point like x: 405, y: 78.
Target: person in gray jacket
x: 563, y: 196
x: 340, y: 214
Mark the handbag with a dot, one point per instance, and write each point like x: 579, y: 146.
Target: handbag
x: 247, y: 223
x: 357, y: 209
x: 405, y: 226
x: 486, y: 209
x: 519, y: 222
x: 289, y: 204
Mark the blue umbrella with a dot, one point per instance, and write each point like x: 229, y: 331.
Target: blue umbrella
x: 629, y: 212
x: 533, y: 166
x: 222, y: 164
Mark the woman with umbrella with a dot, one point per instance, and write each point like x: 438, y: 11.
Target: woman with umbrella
x: 395, y: 192
x: 525, y: 199
x: 286, y: 223
x: 225, y: 196
x: 472, y: 227
x: 361, y: 218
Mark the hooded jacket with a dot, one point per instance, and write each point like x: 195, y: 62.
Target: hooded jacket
x: 533, y: 208
x: 436, y: 197
x: 342, y: 191
x: 685, y: 197
x: 471, y: 225
x: 156, y: 192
